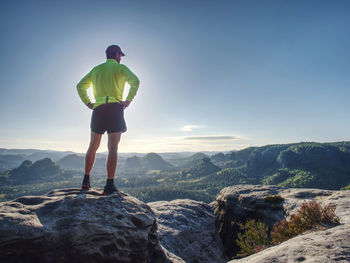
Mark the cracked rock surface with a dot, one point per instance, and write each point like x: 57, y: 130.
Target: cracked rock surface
x: 70, y: 225
x: 188, y: 229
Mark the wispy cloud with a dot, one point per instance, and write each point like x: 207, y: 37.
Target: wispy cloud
x: 191, y: 127
x: 186, y: 143
x: 211, y: 138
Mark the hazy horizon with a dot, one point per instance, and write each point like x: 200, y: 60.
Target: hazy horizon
x: 130, y: 152
x: 213, y: 77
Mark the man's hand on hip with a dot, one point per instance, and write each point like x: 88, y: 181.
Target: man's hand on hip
x: 90, y: 105
x: 125, y: 103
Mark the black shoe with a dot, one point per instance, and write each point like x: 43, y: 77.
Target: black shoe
x: 109, y: 189
x: 86, y: 183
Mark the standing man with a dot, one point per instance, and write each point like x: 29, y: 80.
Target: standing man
x: 108, y: 81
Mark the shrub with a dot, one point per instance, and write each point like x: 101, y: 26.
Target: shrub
x: 254, y: 238
x: 309, y: 215
x: 346, y: 187
x: 274, y: 199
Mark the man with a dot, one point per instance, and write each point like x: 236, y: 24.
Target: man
x: 108, y: 80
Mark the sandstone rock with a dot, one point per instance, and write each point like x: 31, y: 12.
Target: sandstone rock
x: 331, y: 245
x: 236, y: 204
x: 241, y: 202
x: 189, y: 229
x: 71, y: 225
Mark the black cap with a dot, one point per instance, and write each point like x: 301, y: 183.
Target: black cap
x: 111, y: 50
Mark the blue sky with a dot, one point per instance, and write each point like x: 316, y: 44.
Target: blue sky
x: 215, y: 75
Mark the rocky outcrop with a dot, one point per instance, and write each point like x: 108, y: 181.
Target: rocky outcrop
x: 188, y: 229
x: 331, y: 245
x: 235, y: 205
x: 71, y: 225
x: 242, y: 202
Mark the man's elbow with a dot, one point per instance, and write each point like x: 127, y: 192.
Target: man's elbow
x: 78, y: 86
x: 136, y: 82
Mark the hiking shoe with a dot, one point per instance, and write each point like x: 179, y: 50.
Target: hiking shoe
x: 86, y: 183
x: 109, y: 189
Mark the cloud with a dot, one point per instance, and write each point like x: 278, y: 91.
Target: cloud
x: 185, y: 143
x: 211, y: 138
x: 190, y: 127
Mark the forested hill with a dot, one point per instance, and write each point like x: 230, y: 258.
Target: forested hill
x: 197, y: 177
x: 306, y: 164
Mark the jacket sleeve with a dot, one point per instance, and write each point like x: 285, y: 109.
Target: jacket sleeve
x: 82, y: 87
x: 133, y: 81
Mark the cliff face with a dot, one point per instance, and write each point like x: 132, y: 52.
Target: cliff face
x: 242, y: 202
x: 189, y: 229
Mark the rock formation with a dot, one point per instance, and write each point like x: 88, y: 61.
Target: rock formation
x: 189, y: 229
x: 242, y: 202
x: 332, y: 245
x: 71, y: 225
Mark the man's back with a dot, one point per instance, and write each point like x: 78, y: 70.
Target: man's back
x: 108, y: 79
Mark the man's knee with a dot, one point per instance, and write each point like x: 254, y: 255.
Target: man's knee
x: 113, y: 141
x: 95, y: 140
x: 112, y: 148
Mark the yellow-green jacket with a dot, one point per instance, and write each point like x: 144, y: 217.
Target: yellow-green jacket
x: 108, y: 80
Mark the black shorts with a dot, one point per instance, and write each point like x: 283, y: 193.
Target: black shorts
x: 108, y: 117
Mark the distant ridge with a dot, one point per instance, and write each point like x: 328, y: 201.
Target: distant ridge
x: 149, y: 161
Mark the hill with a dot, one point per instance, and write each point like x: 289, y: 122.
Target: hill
x: 9, y: 161
x: 151, y: 161
x: 189, y: 161
x: 297, y: 165
x: 29, y: 172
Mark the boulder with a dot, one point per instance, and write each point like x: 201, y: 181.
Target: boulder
x: 237, y: 204
x: 188, y: 229
x: 331, y: 245
x: 71, y: 225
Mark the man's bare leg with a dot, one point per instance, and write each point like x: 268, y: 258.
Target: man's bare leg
x: 91, y: 152
x: 113, y: 141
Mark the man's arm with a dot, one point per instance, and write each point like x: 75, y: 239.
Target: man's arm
x: 133, y: 81
x: 82, y: 87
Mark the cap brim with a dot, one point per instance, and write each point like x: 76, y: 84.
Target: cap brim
x: 121, y: 52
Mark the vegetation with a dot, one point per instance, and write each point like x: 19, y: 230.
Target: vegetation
x: 203, y: 168
x: 346, y: 187
x: 310, y: 215
x: 199, y: 177
x: 254, y: 238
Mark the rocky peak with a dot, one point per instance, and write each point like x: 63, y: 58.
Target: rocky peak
x: 71, y: 225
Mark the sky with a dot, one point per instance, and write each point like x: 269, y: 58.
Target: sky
x: 214, y: 75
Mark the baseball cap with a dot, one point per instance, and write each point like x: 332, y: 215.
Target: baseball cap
x: 112, y: 49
